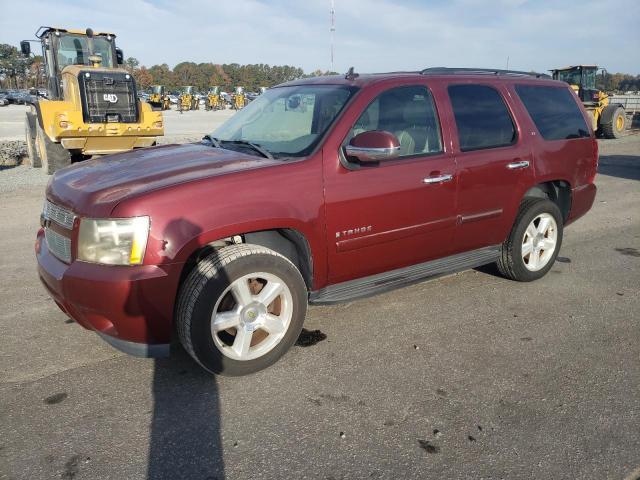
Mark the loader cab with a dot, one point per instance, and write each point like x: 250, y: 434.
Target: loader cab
x: 582, y: 78
x: 62, y: 47
x: 157, y: 89
x: 188, y: 90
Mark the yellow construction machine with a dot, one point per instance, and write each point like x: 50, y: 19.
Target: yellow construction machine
x: 238, y: 100
x: 187, y: 99
x: 214, y: 100
x: 92, y: 106
x: 609, y: 119
x: 159, y: 99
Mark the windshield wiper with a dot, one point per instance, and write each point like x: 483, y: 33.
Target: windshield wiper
x: 264, y: 152
x: 214, y: 141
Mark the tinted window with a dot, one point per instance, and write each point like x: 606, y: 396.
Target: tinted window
x: 554, y: 111
x: 481, y: 116
x: 408, y: 113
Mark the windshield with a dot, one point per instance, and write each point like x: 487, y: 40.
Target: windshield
x: 188, y: 90
x: 157, y: 89
x: 572, y: 77
x: 287, y: 121
x: 74, y: 50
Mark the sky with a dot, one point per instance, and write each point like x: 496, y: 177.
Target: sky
x: 371, y: 35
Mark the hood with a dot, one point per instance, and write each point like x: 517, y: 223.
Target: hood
x: 96, y: 186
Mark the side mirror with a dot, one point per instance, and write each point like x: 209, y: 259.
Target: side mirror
x: 25, y: 48
x: 373, y: 146
x: 119, y: 56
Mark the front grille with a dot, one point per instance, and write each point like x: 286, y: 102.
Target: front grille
x: 108, y: 97
x: 59, y: 245
x: 61, y: 216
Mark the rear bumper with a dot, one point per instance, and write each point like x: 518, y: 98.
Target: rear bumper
x: 131, y: 308
x: 582, y: 199
x: 108, y: 145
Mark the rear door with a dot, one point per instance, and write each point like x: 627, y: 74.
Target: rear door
x: 494, y: 163
x: 392, y: 214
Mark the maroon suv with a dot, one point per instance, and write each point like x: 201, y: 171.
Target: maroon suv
x: 321, y: 190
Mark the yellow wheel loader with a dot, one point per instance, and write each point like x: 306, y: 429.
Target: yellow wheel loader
x: 214, y: 100
x: 609, y: 119
x: 92, y: 106
x: 159, y: 100
x: 187, y: 99
x: 238, y: 100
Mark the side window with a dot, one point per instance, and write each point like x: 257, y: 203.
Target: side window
x: 407, y: 112
x: 482, y: 117
x: 554, y: 111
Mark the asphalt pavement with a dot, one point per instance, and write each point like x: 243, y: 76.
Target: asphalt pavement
x: 469, y: 376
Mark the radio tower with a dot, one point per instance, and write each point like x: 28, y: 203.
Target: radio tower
x: 332, y: 30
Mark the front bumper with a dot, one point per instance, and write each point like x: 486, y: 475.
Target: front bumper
x: 129, y: 307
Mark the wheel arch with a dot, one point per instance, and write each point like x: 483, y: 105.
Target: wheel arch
x: 288, y: 242
x: 558, y: 191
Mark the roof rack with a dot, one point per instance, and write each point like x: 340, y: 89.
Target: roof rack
x: 472, y: 71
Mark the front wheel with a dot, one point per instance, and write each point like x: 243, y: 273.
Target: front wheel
x: 534, y: 242
x: 241, y: 309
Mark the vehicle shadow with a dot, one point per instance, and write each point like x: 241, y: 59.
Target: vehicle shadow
x: 185, y: 439
x: 184, y: 433
x: 620, y: 166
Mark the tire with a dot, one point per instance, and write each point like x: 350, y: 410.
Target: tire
x: 615, y: 127
x: 53, y: 155
x: 512, y: 264
x: 30, y: 138
x: 211, y: 288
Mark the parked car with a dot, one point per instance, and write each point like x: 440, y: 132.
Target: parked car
x: 321, y: 190
x: 3, y: 100
x: 19, y: 97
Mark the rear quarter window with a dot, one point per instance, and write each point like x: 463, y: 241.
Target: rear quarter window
x: 554, y: 111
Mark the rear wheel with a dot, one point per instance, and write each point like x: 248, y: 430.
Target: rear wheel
x: 30, y: 138
x: 534, y: 242
x: 615, y: 126
x: 241, y: 309
x: 53, y: 155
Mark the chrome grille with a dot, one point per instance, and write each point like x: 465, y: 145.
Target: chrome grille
x: 61, y: 216
x: 59, y: 245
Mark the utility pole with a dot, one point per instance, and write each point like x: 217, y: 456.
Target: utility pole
x: 332, y: 30
x: 507, y: 62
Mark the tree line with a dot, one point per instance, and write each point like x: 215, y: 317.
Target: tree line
x: 205, y: 75
x: 17, y: 71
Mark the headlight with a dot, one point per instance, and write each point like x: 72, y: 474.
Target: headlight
x: 113, y: 241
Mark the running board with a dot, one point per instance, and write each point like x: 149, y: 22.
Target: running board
x: 382, y: 282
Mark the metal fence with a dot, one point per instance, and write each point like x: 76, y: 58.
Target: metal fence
x: 631, y: 103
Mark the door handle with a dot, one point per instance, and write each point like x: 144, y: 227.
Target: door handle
x: 439, y: 179
x: 517, y: 165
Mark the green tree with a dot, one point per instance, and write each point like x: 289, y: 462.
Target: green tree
x: 131, y: 64
x: 14, y: 67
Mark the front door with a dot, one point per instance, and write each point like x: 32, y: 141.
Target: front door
x: 398, y: 212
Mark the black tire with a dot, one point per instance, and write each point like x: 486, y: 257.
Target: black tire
x: 53, y: 155
x: 30, y: 138
x: 615, y: 127
x: 511, y: 264
x: 206, y: 285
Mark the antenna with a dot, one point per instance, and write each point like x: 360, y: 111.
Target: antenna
x: 332, y: 29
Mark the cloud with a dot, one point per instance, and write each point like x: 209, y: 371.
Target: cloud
x: 372, y: 35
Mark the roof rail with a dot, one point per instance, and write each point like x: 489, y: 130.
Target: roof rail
x: 472, y: 71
